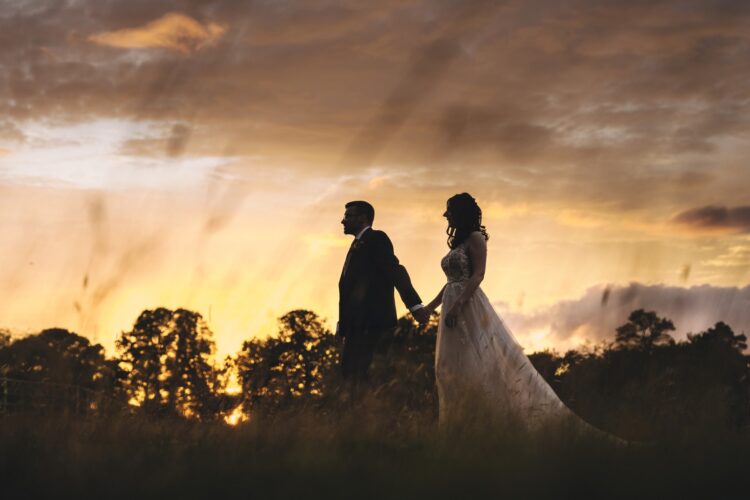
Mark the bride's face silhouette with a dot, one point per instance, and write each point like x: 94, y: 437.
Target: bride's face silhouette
x: 448, y: 215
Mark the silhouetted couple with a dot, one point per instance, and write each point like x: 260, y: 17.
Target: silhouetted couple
x: 478, y: 363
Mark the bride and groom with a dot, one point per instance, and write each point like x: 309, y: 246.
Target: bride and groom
x: 478, y: 363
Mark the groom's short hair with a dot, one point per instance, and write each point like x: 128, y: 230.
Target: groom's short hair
x: 364, y: 208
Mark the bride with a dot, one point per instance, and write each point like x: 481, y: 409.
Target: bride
x: 479, y: 366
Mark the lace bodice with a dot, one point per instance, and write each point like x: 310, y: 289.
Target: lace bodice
x: 456, y: 264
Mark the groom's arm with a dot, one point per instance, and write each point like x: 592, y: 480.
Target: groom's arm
x: 387, y: 263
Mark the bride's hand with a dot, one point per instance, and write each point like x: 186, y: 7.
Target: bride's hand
x: 451, y: 317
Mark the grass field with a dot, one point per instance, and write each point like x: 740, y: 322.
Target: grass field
x: 361, y: 453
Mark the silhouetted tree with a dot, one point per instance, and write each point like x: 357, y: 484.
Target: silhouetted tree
x: 169, y: 359
x: 60, y: 363
x: 57, y: 355
x: 294, y: 364
x: 643, y: 385
x: 719, y: 365
x: 403, y: 370
x: 548, y: 364
x: 300, y: 365
x: 720, y: 333
x: 4, y: 338
x: 648, y: 385
x: 644, y: 330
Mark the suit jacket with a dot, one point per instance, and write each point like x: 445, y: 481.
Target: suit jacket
x: 370, y: 274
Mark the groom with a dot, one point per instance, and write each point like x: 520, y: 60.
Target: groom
x: 366, y: 305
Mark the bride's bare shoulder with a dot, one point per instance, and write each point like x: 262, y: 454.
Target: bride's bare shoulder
x: 476, y: 238
x: 476, y: 243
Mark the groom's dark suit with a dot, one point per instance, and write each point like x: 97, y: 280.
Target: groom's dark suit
x: 366, y: 304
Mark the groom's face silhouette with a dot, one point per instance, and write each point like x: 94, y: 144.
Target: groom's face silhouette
x: 354, y: 221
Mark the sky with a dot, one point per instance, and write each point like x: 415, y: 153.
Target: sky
x: 199, y: 154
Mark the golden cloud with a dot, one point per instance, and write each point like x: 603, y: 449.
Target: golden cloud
x: 172, y: 31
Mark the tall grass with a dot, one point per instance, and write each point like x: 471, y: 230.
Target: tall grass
x: 367, y: 449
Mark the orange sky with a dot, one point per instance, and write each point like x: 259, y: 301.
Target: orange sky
x: 199, y: 155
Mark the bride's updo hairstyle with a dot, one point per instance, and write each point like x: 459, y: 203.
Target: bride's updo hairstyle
x: 467, y: 218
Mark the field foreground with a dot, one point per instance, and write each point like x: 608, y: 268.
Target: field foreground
x: 351, y: 455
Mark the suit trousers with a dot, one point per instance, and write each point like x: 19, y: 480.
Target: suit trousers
x: 359, y: 348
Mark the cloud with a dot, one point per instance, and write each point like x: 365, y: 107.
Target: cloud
x: 90, y: 156
x: 596, y: 105
x: 596, y: 315
x: 10, y: 132
x: 172, y: 31
x: 576, y: 124
x: 716, y: 217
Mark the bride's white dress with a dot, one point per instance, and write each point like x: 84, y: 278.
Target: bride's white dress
x: 479, y: 364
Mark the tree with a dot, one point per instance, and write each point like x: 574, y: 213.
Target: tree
x: 293, y: 365
x: 169, y: 360
x: 638, y: 391
x: 719, y: 365
x: 4, y: 338
x: 59, y: 356
x: 549, y: 365
x: 644, y: 330
x: 404, y: 368
x: 60, y: 369
x: 720, y: 333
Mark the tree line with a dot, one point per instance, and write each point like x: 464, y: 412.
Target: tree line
x: 641, y: 383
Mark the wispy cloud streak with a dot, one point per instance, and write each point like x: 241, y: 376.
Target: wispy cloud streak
x: 174, y: 31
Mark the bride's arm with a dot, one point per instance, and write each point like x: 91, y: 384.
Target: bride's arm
x: 477, y: 248
x: 436, y: 301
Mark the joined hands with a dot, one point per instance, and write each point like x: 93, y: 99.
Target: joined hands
x: 422, y: 315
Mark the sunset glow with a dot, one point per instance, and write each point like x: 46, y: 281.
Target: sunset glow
x: 201, y: 157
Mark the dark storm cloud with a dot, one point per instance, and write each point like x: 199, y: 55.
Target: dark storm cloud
x: 716, y: 217
x: 596, y: 315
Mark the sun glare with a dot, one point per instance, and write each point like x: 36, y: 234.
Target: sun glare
x: 236, y: 417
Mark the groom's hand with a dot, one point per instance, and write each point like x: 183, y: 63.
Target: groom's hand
x: 340, y: 335
x: 422, y: 315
